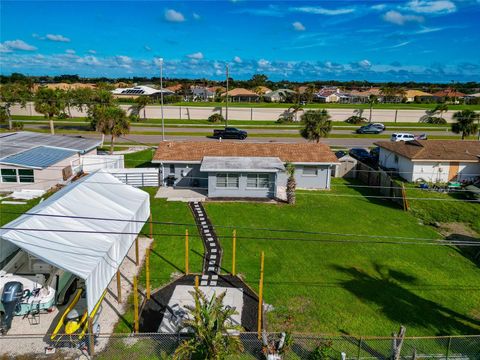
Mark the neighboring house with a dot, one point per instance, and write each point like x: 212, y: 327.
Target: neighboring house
x: 137, y: 91
x: 279, y: 95
x: 448, y: 94
x: 201, y: 93
x: 418, y: 95
x: 241, y: 94
x: 39, y: 161
x: 472, y: 98
x: 174, y: 88
x: 362, y: 96
x: 262, y: 90
x: 244, y: 170
x: 65, y: 86
x: 432, y: 160
x: 329, y: 95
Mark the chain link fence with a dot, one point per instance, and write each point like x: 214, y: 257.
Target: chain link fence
x: 163, y: 346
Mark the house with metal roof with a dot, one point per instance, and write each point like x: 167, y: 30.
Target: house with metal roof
x: 136, y: 91
x: 39, y: 161
x: 436, y: 161
x: 243, y: 170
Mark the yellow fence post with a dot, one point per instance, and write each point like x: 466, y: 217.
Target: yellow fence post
x: 119, y: 288
x: 137, y: 255
x: 147, y: 273
x: 260, y: 296
x: 186, y: 252
x: 151, y: 226
x: 196, y: 281
x: 234, y: 252
x: 135, y: 305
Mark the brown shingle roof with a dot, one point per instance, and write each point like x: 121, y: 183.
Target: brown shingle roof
x: 435, y: 150
x: 195, y: 151
x: 240, y: 92
x: 448, y: 93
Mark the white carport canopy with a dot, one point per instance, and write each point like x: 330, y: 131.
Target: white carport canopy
x: 91, y: 249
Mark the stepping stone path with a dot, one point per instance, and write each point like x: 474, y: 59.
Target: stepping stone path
x: 213, y: 251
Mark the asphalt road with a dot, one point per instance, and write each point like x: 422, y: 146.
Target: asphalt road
x: 153, y: 139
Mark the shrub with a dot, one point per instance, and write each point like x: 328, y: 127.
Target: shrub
x: 16, y: 125
x: 216, y: 118
x: 433, y: 120
x: 323, y: 351
x: 355, y: 119
x: 62, y: 115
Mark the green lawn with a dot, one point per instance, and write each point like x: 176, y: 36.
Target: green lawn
x: 354, y: 288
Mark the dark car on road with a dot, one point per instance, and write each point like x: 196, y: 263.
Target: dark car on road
x: 360, y: 154
x: 230, y: 133
x: 370, y: 129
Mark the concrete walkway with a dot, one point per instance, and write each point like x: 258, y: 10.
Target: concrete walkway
x: 184, y: 195
x: 213, y: 252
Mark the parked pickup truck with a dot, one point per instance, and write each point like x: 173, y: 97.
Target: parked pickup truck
x: 230, y: 133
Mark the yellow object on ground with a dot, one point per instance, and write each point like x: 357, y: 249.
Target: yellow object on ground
x: 65, y: 313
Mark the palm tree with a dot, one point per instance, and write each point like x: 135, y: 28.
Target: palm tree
x: 11, y: 94
x: 291, y: 183
x: 465, y: 123
x: 210, y: 325
x: 372, y: 99
x: 110, y: 120
x: 316, y: 125
x: 141, y: 103
x: 50, y: 103
x: 431, y: 115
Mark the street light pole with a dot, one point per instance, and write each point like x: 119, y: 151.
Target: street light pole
x: 226, y: 102
x: 161, y: 98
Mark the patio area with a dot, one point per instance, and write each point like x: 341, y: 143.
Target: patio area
x: 183, y: 194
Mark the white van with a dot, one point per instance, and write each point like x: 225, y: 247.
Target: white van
x: 402, y: 137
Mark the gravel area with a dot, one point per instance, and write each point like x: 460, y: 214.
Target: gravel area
x: 27, y: 339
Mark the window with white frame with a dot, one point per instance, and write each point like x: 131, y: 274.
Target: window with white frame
x: 227, y: 180
x: 309, y: 171
x: 17, y: 175
x: 258, y: 181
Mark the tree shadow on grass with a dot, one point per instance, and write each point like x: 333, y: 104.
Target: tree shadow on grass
x: 401, y: 305
x: 370, y: 194
x: 470, y: 252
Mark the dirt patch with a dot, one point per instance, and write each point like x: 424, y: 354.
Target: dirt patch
x: 457, y: 228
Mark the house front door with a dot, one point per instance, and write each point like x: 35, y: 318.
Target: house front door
x: 453, y: 171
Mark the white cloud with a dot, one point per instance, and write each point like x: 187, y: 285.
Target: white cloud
x: 92, y: 51
x: 237, y: 59
x: 365, y: 64
x: 57, y: 37
x: 174, y: 16
x: 10, y: 45
x: 322, y: 11
x: 298, y: 26
x: 196, y: 56
x: 89, y: 60
x: 146, y: 47
x: 124, y: 60
x: 263, y: 63
x: 378, y: 7
x: 431, y: 7
x: 397, y: 18
x: 70, y: 51
x: 196, y: 16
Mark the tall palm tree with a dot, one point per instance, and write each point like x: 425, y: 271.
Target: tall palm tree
x: 110, y: 120
x: 210, y: 325
x: 141, y: 103
x: 372, y: 99
x: 11, y: 94
x: 431, y: 115
x: 316, y: 125
x: 465, y: 123
x: 50, y: 103
x: 291, y: 183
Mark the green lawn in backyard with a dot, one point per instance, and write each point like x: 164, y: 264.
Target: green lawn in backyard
x: 344, y: 287
x: 139, y: 159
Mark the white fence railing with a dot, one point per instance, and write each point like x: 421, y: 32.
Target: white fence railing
x: 138, y: 177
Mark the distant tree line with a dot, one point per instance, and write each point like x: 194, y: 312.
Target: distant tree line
x: 255, y: 81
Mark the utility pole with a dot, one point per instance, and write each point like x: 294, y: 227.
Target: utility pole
x: 161, y: 98
x: 226, y: 102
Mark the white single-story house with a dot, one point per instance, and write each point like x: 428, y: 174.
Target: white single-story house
x: 432, y: 160
x: 243, y: 170
x: 39, y: 161
x: 137, y: 91
x: 278, y: 95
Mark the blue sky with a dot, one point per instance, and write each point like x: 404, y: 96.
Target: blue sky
x: 409, y: 40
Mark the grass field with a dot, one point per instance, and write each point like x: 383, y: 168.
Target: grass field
x: 332, y: 287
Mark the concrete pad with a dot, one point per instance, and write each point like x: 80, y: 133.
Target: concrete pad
x: 183, y: 195
x: 181, y: 297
